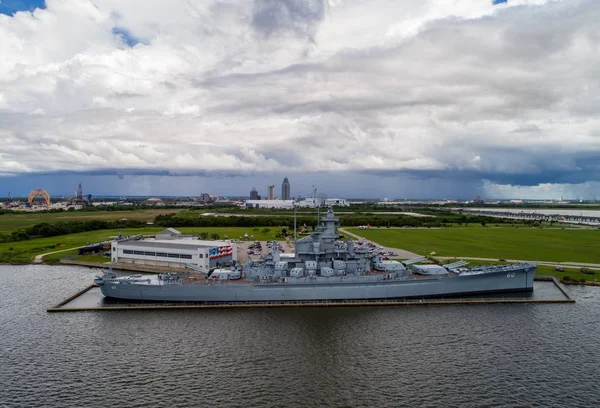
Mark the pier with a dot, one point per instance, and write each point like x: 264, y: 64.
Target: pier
x: 89, y: 299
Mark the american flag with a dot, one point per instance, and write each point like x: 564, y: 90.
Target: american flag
x: 220, y: 252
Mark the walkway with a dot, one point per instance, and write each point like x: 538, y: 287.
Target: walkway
x: 40, y: 258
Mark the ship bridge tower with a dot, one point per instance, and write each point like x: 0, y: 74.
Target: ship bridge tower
x: 329, y: 223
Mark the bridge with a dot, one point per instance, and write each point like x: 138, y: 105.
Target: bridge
x: 523, y: 215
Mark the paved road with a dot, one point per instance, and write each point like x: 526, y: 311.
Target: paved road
x: 39, y: 258
x: 402, y: 254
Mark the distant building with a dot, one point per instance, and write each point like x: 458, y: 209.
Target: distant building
x: 285, y: 189
x: 289, y: 204
x: 254, y: 194
x: 322, y: 202
x: 269, y: 204
x: 152, y: 201
x: 271, y: 193
x: 205, y: 198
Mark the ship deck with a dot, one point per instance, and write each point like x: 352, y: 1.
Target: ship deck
x: 196, y: 278
x: 546, y: 290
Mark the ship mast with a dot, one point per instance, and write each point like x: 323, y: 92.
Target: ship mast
x: 294, y: 228
x: 317, y: 205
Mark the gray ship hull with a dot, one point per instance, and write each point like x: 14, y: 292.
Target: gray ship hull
x: 496, y: 281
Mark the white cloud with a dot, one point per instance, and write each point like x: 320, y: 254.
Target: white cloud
x: 434, y: 87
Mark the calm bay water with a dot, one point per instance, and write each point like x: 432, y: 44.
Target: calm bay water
x: 463, y: 356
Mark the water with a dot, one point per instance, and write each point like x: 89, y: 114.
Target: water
x: 469, y: 356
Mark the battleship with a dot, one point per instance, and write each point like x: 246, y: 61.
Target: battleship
x: 322, y: 268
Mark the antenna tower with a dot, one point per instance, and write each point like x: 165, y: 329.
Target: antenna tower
x: 317, y: 205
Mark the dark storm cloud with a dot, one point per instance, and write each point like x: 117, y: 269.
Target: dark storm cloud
x: 300, y: 17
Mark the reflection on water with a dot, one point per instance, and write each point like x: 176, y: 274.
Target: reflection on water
x: 491, y: 355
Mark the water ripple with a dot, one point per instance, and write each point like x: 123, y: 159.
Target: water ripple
x: 492, y: 356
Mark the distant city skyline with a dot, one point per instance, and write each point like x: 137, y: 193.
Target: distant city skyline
x: 344, y: 186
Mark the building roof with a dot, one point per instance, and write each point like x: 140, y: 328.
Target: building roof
x: 174, y: 244
x: 170, y: 231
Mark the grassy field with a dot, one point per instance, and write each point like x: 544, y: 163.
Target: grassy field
x: 25, y: 251
x: 18, y: 220
x: 555, y: 245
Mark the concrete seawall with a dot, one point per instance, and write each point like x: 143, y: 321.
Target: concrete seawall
x: 95, y: 302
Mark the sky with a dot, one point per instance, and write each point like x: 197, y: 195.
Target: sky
x: 378, y: 98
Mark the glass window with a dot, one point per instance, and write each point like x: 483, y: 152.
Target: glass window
x: 161, y: 254
x: 138, y: 252
x: 201, y: 255
x: 173, y: 255
x: 183, y: 256
x: 127, y: 251
x: 150, y: 253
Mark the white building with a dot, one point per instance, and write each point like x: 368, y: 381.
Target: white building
x: 269, y: 204
x: 323, y: 202
x: 289, y: 204
x: 174, y: 252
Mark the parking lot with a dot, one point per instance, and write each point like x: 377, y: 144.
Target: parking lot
x: 243, y: 247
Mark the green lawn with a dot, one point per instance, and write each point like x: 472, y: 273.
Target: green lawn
x: 25, y: 251
x: 555, y: 245
x: 18, y: 220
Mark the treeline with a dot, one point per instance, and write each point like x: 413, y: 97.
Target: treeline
x: 173, y: 220
x: 346, y: 220
x: 45, y: 230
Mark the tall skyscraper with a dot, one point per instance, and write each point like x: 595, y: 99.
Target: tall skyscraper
x: 254, y: 194
x: 285, y: 189
x: 271, y: 194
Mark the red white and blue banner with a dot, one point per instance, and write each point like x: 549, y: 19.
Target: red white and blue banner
x: 220, y: 252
